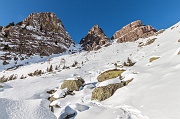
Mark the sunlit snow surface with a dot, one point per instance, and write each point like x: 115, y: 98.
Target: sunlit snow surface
x: 153, y: 94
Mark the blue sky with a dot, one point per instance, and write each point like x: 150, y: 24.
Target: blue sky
x: 78, y: 16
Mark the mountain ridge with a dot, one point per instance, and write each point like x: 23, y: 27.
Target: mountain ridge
x: 43, y: 34
x: 44, y: 28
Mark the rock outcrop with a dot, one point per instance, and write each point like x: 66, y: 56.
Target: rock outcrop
x: 94, y: 39
x: 134, y: 31
x: 40, y: 33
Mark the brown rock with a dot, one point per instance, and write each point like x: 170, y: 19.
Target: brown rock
x: 51, y: 99
x: 51, y: 91
x: 94, y: 39
x: 134, y: 31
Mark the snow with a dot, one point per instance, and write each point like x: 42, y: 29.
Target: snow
x: 80, y: 107
x: 71, y: 78
x: 107, y: 82
x: 37, y: 37
x: 60, y: 93
x: 67, y: 111
x: 28, y: 109
x: 29, y: 28
x: 153, y: 93
x: 73, y: 109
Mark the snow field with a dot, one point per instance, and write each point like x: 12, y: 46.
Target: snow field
x: 153, y: 94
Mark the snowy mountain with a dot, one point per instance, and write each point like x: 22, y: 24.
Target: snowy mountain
x: 137, y: 80
x: 40, y: 34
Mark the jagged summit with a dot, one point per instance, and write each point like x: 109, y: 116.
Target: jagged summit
x: 96, y: 30
x: 45, y: 21
x: 94, y: 39
x: 134, y: 31
x: 40, y: 33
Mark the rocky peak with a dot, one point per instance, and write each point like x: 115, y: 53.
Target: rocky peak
x: 134, y: 31
x: 94, y: 39
x: 96, y: 30
x: 46, y: 21
x: 40, y: 33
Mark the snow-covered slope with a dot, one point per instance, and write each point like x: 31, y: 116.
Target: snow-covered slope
x: 153, y: 94
x: 26, y: 109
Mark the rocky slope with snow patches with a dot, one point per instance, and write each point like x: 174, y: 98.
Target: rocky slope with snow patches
x: 94, y: 39
x: 134, y: 31
x: 40, y: 34
x: 152, y: 94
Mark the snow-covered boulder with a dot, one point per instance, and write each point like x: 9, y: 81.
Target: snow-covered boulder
x: 67, y: 113
x: 104, y: 92
x: 72, y: 85
x: 71, y: 110
x: 60, y: 93
x: 109, y: 74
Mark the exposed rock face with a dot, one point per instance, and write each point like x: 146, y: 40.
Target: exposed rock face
x: 134, y: 31
x: 39, y: 33
x: 94, y: 39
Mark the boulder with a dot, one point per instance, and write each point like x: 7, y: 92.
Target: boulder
x: 80, y: 79
x: 72, y: 85
x: 109, y: 74
x: 104, y: 92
